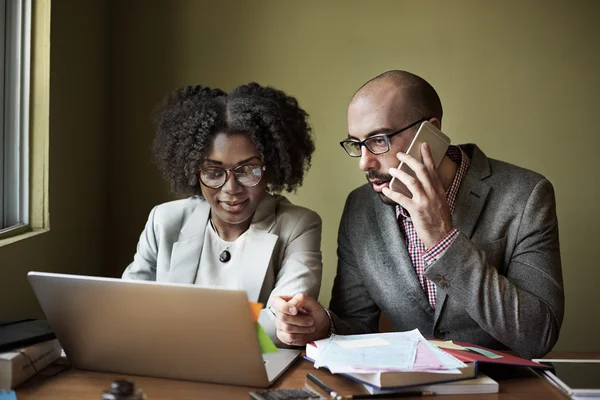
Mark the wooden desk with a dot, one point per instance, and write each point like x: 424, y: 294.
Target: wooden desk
x: 78, y: 385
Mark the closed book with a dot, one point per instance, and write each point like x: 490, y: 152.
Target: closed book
x: 471, y: 353
x: 479, y: 385
x: 21, y: 333
x: 409, y: 379
x: 16, y: 366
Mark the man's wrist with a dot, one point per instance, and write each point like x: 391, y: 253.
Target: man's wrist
x: 331, y: 327
x: 440, y: 247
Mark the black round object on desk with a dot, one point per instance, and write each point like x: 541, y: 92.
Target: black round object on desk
x: 123, y: 390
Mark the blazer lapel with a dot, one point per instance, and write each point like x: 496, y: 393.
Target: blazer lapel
x: 403, y: 270
x: 257, y: 257
x: 470, y: 201
x: 185, y: 257
x: 259, y: 246
x: 472, y: 194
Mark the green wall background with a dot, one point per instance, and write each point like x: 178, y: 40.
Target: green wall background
x: 78, y: 149
x: 519, y: 78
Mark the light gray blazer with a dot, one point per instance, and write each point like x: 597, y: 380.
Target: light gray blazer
x: 499, y: 284
x: 282, y: 251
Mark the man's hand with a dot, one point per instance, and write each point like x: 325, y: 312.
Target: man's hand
x: 299, y: 319
x: 428, y: 207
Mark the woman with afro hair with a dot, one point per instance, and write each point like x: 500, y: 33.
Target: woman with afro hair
x: 230, y: 155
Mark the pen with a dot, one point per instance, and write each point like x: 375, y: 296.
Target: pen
x: 336, y: 396
x: 332, y: 393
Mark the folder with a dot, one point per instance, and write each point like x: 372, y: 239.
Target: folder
x: 482, y: 355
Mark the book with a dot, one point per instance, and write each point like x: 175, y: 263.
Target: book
x: 18, y: 365
x: 21, y: 333
x: 409, y: 379
x: 479, y: 385
x: 470, y: 353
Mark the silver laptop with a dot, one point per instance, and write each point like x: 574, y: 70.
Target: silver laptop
x: 155, y: 329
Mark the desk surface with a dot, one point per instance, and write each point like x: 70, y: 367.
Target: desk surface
x: 75, y: 384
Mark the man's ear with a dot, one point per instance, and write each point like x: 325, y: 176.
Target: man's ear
x: 436, y: 122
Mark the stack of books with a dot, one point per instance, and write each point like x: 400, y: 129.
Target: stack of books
x: 389, y: 363
x: 18, y: 365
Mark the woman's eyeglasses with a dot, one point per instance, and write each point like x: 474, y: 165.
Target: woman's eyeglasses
x: 246, y: 175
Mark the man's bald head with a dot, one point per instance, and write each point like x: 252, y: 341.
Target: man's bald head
x: 420, y: 98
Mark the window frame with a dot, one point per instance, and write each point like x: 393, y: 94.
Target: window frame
x: 14, y: 114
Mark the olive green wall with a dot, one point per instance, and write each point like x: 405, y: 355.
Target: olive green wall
x: 77, y: 155
x: 520, y: 78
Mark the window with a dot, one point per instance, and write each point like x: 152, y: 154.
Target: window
x: 15, y: 33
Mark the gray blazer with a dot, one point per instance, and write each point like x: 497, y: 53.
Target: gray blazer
x: 282, y: 252
x: 499, y: 283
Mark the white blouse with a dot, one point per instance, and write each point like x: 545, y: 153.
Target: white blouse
x: 214, y: 273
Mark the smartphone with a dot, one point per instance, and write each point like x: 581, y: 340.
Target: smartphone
x: 438, y: 143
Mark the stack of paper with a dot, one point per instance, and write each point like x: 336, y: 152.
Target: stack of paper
x: 388, y: 359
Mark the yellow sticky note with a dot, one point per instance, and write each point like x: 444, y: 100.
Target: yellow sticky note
x: 448, y: 344
x: 265, y: 342
x: 255, y: 308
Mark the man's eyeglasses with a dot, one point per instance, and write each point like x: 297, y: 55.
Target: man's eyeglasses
x: 246, y: 175
x: 376, y: 144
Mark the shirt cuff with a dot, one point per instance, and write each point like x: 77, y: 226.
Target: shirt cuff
x: 434, y: 253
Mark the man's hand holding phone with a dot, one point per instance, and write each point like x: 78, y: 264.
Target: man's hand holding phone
x: 428, y: 207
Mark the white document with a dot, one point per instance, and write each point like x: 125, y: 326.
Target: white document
x: 448, y: 361
x: 356, y: 343
x: 368, y: 352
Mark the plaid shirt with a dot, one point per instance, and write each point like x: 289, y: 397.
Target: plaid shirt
x: 419, y: 254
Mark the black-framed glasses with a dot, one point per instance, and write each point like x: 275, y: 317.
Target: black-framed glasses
x: 246, y: 175
x: 376, y: 144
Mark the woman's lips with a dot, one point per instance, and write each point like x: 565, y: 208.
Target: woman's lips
x: 233, y: 206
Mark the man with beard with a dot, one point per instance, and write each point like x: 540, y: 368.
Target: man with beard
x: 473, y: 256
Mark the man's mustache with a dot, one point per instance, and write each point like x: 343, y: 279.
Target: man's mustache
x: 373, y: 175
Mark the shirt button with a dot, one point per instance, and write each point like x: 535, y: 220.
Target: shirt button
x: 439, y: 334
